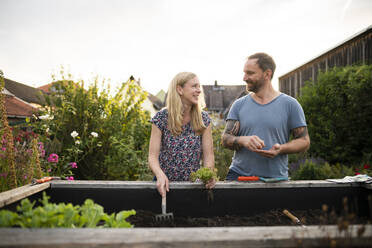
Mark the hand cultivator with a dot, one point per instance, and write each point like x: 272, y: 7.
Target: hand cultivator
x: 164, y: 216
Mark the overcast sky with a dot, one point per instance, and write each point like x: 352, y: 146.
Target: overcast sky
x: 155, y: 39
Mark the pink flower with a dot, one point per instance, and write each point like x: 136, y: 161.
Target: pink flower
x: 41, y: 145
x: 53, y: 158
x: 49, y: 170
x: 366, y: 166
x: 357, y: 173
x: 70, y: 178
x: 73, y: 165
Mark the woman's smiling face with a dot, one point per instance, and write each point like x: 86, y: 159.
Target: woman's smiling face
x: 190, y: 91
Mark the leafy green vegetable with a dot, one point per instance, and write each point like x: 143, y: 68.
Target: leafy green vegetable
x: 204, y: 174
x: 51, y: 215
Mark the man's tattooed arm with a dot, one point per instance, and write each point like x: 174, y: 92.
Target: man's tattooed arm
x: 300, y: 132
x: 300, y: 140
x: 229, y: 136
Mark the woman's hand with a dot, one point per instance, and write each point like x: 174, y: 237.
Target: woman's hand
x: 162, y: 184
x: 211, y: 183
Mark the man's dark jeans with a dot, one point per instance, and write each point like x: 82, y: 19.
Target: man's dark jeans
x: 232, y: 176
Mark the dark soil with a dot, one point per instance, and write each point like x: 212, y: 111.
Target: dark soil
x: 271, y: 218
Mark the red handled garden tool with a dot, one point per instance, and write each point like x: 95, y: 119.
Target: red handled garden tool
x: 248, y: 179
x: 164, y: 216
x: 43, y: 180
x: 293, y: 218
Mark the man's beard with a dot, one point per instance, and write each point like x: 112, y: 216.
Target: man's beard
x: 254, y: 86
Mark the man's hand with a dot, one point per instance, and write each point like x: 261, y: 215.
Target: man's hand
x: 252, y: 143
x: 273, y: 152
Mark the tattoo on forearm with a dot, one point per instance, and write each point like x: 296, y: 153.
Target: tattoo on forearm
x: 235, y: 143
x: 300, y: 132
x: 229, y: 136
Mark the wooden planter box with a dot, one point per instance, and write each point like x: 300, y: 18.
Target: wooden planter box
x: 190, y: 199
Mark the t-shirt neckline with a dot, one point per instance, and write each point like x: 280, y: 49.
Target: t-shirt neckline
x: 266, y: 104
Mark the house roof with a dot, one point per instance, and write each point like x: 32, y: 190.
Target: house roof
x: 45, y: 88
x: 15, y: 107
x: 6, y: 92
x: 161, y: 95
x: 24, y: 92
x: 226, y: 111
x: 155, y: 101
x: 219, y: 97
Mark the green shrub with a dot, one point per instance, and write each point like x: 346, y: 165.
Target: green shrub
x: 310, y: 170
x: 50, y: 215
x: 105, y: 134
x: 338, y: 109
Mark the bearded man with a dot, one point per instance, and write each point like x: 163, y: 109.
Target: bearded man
x: 259, y: 125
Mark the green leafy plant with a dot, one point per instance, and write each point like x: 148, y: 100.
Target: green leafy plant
x: 117, y: 120
x: 50, y: 215
x: 204, y: 174
x: 310, y: 170
x: 338, y: 109
x: 222, y: 155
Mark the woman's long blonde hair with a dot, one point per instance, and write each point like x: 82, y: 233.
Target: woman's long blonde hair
x: 175, y: 107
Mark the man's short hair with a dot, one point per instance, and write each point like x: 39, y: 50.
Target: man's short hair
x: 264, y: 61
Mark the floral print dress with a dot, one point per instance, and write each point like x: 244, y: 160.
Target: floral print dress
x: 179, y: 155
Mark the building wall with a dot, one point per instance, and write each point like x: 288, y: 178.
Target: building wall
x: 356, y: 50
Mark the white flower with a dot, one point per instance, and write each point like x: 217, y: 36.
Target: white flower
x: 77, y: 142
x: 74, y: 134
x: 47, y: 130
x: 94, y: 134
x: 46, y: 117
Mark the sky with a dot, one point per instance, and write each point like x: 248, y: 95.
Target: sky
x: 153, y: 40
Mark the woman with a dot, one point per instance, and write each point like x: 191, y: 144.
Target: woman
x: 181, y: 134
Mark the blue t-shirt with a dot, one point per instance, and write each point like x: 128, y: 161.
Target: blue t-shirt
x: 271, y: 122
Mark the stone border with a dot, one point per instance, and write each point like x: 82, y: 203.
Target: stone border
x: 278, y: 236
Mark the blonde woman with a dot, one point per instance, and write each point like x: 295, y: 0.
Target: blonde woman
x: 181, y: 134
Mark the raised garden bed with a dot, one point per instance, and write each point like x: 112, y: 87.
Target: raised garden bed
x: 256, y: 203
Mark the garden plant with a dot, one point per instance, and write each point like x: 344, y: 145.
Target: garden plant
x: 51, y: 215
x: 103, y: 136
x: 338, y: 110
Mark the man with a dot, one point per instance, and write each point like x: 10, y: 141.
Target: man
x: 259, y: 125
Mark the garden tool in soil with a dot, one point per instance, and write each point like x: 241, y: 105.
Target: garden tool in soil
x: 43, y: 180
x: 164, y: 216
x: 293, y: 218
